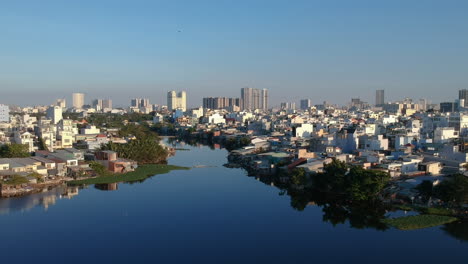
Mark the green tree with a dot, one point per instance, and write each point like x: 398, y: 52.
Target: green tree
x: 353, y: 182
x: 332, y: 179
x: 39, y: 177
x: 41, y: 144
x: 453, y: 190
x: 144, y: 150
x: 100, y: 169
x: 361, y: 184
x: 425, y: 188
x: 298, y: 177
x: 14, y: 151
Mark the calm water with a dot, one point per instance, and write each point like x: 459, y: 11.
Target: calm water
x: 211, y: 214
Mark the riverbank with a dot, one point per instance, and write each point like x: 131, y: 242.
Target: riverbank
x: 7, y: 191
x: 141, y: 173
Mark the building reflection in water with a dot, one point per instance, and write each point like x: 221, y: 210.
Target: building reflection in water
x: 107, y: 187
x: 43, y: 199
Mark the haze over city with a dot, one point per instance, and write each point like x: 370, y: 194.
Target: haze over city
x: 333, y: 50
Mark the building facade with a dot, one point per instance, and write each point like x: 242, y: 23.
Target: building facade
x: 78, y: 100
x: 54, y: 113
x: 306, y: 104
x: 177, y: 100
x: 4, y: 113
x: 220, y: 102
x: 463, y: 95
x: 254, y: 99
x: 379, y: 97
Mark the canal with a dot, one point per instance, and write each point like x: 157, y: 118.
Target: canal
x: 208, y: 214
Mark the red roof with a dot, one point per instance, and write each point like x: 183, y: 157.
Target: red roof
x: 297, y: 163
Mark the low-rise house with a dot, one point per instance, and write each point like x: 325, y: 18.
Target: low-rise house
x: 315, y: 165
x: 303, y: 153
x: 61, y: 156
x: 431, y: 167
x: 90, y: 130
x: 114, y: 164
x: 25, y: 138
x: 4, y: 165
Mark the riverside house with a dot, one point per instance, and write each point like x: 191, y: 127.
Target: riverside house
x: 114, y: 164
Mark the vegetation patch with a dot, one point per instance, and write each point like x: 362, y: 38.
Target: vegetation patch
x: 436, y: 211
x: 16, y: 180
x: 140, y: 174
x: 426, y: 210
x: 418, y: 221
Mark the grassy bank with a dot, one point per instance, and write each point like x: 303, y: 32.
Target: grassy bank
x: 427, y: 210
x: 418, y: 221
x: 141, y: 173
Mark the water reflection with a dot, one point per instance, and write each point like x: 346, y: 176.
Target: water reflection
x: 107, y: 187
x: 44, y: 199
x: 458, y: 230
x: 334, y: 210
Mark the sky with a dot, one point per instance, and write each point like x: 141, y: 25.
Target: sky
x: 323, y: 50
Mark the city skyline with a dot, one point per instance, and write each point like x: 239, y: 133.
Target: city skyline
x: 321, y: 51
x: 125, y: 102
x: 209, y: 131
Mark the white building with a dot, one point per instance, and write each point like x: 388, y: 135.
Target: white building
x: 216, y: 118
x: 66, y: 131
x: 90, y: 130
x: 54, y: 113
x: 158, y: 118
x: 4, y: 113
x: 25, y: 138
x: 444, y: 134
x: 47, y: 131
x: 304, y: 131
x: 177, y: 100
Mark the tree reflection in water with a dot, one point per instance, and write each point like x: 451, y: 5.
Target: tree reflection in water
x: 337, y: 210
x: 458, y: 230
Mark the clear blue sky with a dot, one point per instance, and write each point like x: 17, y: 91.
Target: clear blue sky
x: 324, y: 50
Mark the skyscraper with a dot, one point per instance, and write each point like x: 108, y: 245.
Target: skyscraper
x: 305, y: 104
x: 254, y: 99
x: 177, y: 100
x: 264, y: 99
x: 135, y: 103
x: 288, y: 105
x: 4, y: 113
x: 78, y: 100
x: 107, y: 104
x: 97, y: 104
x: 463, y: 95
x: 138, y: 102
x: 379, y: 97
x: 144, y: 102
